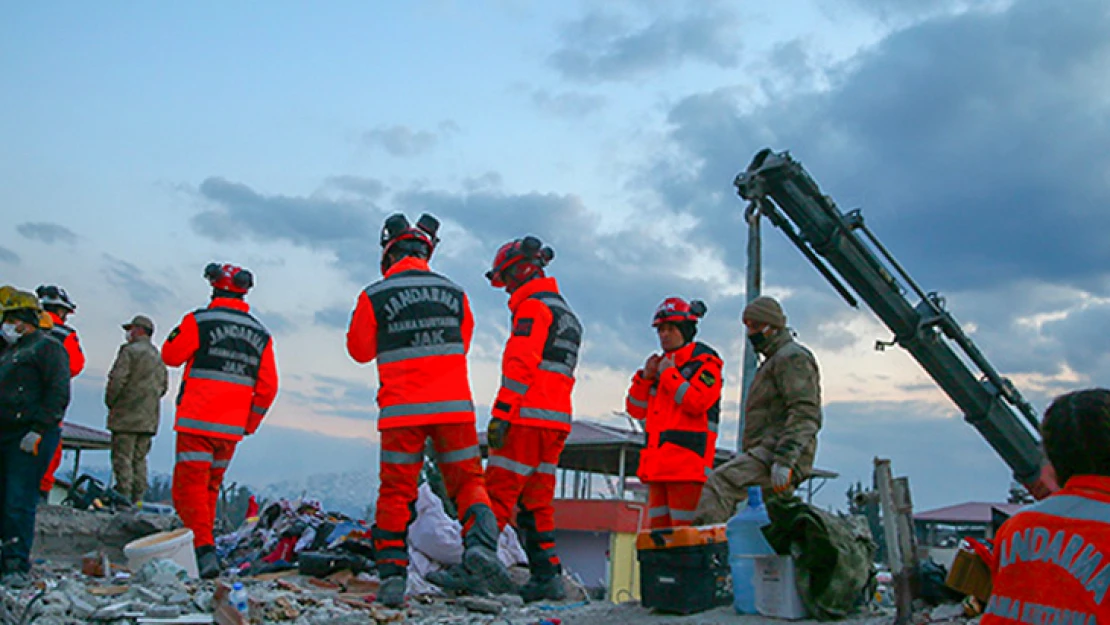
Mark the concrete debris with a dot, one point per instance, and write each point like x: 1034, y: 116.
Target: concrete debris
x: 481, y: 604
x: 161, y: 572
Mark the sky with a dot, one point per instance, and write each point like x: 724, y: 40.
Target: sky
x: 143, y: 141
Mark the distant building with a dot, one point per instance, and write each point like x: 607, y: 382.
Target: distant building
x: 943, y: 527
x: 77, y: 438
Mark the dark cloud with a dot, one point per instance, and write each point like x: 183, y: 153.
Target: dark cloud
x: 46, y: 232
x: 334, y: 317
x: 404, y: 142
x: 8, y: 256
x: 604, y: 46
x: 276, y: 323
x: 569, y: 104
x: 134, y: 281
x: 311, y: 222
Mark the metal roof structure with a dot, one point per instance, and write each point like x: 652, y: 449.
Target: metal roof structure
x: 77, y: 436
x: 972, y: 512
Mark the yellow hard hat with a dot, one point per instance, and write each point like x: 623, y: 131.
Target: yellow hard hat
x: 12, y: 299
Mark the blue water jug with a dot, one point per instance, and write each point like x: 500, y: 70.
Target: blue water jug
x: 745, y: 541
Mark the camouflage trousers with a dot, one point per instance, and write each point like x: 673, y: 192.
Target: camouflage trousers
x: 129, y: 451
x: 728, y: 485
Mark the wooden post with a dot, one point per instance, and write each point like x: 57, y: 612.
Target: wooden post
x: 901, y: 550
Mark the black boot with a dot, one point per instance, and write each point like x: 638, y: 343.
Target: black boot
x: 480, y: 556
x: 391, y: 594
x: 544, y: 585
x: 207, y: 563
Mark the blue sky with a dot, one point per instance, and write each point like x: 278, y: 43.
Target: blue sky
x: 143, y: 141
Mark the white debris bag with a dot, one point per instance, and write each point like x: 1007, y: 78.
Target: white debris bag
x: 509, y: 550
x: 433, y: 533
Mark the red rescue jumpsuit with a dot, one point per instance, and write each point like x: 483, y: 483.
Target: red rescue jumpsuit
x: 417, y: 325
x: 1052, y: 559
x: 69, y: 340
x: 229, y: 383
x: 681, y: 412
x: 537, y: 377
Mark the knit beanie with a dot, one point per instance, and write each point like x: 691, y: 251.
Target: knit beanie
x: 765, y: 309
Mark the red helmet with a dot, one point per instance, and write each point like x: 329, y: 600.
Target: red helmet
x: 518, y: 261
x: 676, y: 310
x: 229, y: 277
x: 399, y: 235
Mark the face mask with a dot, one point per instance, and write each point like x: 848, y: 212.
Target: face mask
x: 10, y: 332
x: 758, y: 341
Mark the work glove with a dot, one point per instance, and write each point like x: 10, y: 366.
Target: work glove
x: 651, y: 367
x: 30, y: 443
x: 497, y: 432
x: 780, y: 477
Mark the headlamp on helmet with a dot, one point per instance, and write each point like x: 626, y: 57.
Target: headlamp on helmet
x: 677, y: 310
x: 518, y: 261
x: 51, y: 295
x: 400, y: 238
x: 228, y: 277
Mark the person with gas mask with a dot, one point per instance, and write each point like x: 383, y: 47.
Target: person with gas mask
x: 58, y: 307
x: 532, y: 413
x: 677, y: 394
x: 782, y: 417
x: 417, y: 325
x: 230, y: 382
x: 34, y: 394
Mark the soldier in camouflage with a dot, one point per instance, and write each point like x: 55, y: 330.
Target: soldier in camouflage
x: 782, y: 418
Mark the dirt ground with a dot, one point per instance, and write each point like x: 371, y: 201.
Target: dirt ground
x: 611, y: 614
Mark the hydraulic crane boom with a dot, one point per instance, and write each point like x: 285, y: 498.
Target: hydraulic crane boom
x: 779, y: 188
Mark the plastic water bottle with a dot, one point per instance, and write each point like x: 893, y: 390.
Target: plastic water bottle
x: 238, y: 599
x: 745, y: 541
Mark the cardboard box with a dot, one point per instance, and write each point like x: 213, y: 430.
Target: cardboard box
x: 970, y: 575
x: 776, y: 588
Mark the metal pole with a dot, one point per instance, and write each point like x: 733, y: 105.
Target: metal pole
x: 620, y: 486
x: 754, y: 288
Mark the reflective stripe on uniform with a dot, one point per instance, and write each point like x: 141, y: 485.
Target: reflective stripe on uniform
x: 194, y: 456
x: 459, y: 455
x: 404, y: 282
x: 205, y: 426
x: 545, y: 415
x: 714, y: 426
x: 556, y: 367
x: 258, y: 410
x: 546, y: 467
x: 519, y: 388
x: 1073, y: 507
x: 428, y: 408
x: 424, y: 351
x: 637, y: 403
x: 219, y: 315
x: 221, y: 464
x: 221, y: 376
x: 402, y: 457
x: 681, y: 392
x: 511, y: 465
x: 655, y: 513
x: 682, y: 515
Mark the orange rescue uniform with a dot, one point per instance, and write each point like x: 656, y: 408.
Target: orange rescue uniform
x: 537, y: 378
x: 1052, y: 559
x: 417, y: 325
x: 229, y: 383
x: 681, y: 412
x: 68, y: 337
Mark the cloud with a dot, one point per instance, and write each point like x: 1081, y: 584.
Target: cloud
x: 8, y: 256
x: 276, y: 323
x: 46, y: 232
x: 368, y: 188
x: 604, y: 46
x: 334, y: 317
x: 403, y: 142
x: 128, y: 277
x: 568, y: 104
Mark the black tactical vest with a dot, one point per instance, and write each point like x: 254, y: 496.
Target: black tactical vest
x: 714, y: 412
x: 231, y: 346
x: 418, y: 313
x: 564, y: 337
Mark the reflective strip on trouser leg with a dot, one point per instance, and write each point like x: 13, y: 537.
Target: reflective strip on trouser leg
x: 659, y: 514
x: 402, y: 457
x: 391, y: 551
x: 191, y: 474
x: 222, y: 451
x: 682, y: 500
x: 535, y: 499
x: 461, y: 468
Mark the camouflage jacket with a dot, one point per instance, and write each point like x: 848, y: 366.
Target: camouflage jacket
x: 135, y: 388
x: 783, y: 411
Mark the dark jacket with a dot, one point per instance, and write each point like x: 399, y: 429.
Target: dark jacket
x: 34, y: 383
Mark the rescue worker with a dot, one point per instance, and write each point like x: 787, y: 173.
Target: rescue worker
x: 136, y: 383
x: 34, y: 394
x: 781, y: 418
x: 58, y: 307
x: 229, y: 383
x: 417, y: 325
x: 532, y: 412
x: 1050, y: 558
x: 677, y: 394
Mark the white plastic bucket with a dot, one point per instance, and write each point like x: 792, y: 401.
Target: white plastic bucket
x: 176, y: 546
